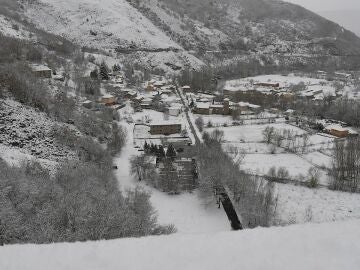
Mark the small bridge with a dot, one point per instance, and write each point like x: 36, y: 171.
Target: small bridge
x: 228, y: 206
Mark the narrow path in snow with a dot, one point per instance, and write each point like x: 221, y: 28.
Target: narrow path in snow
x: 193, y: 130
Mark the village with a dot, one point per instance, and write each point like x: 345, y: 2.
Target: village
x: 251, y: 118
x: 162, y: 115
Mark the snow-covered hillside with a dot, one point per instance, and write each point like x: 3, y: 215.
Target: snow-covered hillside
x: 107, y: 25
x: 325, y: 246
x: 12, y: 28
x: 113, y: 22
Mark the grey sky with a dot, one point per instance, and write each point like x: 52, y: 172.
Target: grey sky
x: 328, y: 5
x: 343, y: 12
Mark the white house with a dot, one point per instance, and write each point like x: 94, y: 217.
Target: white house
x: 175, y: 109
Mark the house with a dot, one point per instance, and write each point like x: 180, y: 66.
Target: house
x: 131, y: 94
x: 159, y: 84
x: 41, y: 71
x: 215, y: 108
x: 175, y: 109
x: 186, y: 89
x: 146, y: 103
x: 337, y: 131
x: 165, y: 128
x: 202, y: 108
x: 139, y: 98
x: 289, y: 112
x: 342, y: 76
x: 58, y: 77
x: 87, y: 104
x: 150, y: 87
x: 108, y: 100
x: 262, y: 84
x: 321, y: 74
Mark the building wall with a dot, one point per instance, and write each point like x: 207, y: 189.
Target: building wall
x: 108, y: 101
x: 43, y: 73
x: 339, y: 133
x: 165, y: 129
x: 217, y: 110
x: 202, y: 111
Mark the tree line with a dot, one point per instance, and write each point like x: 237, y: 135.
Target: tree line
x: 254, y: 198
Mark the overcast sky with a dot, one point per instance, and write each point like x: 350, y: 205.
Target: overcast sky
x: 328, y: 5
x: 343, y: 12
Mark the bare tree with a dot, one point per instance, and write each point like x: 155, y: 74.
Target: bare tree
x: 268, y: 134
x: 346, y: 165
x: 199, y: 122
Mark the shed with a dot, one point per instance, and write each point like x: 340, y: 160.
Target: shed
x: 41, y: 71
x: 108, y: 100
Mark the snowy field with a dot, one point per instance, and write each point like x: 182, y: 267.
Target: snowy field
x: 330, y: 246
x: 253, y: 133
x: 261, y: 157
x: 261, y: 163
x: 297, y: 204
x: 284, y: 81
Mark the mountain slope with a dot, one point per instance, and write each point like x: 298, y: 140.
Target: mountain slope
x: 112, y: 23
x: 163, y: 32
x: 270, y: 20
x: 347, y: 18
x: 237, y: 28
x: 107, y: 25
x: 325, y: 246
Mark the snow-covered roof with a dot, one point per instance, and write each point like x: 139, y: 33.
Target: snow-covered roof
x: 176, y: 106
x: 165, y: 123
x: 336, y: 127
x: 107, y: 96
x: 202, y: 105
x: 147, y: 100
x: 216, y: 106
x: 247, y: 104
x: 141, y: 97
x: 204, y: 100
x: 37, y: 67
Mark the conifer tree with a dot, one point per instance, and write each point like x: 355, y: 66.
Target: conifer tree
x: 94, y: 74
x: 161, y: 152
x: 116, y: 67
x: 104, y: 71
x: 146, y: 147
x: 171, y: 152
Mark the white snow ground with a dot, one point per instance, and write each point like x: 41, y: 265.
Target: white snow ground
x: 330, y: 246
